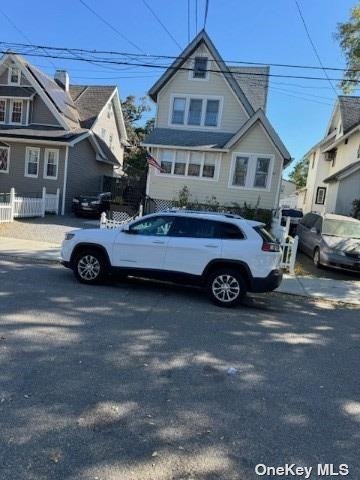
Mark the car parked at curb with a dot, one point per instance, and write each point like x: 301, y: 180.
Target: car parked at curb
x: 224, y: 253
x: 331, y: 240
x: 93, y: 204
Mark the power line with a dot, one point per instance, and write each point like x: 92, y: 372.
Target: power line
x: 152, y: 65
x: 114, y: 29
x: 313, y: 45
x: 206, y: 12
x: 171, y: 57
x: 161, y: 23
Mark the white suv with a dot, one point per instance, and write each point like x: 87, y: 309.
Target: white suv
x: 226, y: 254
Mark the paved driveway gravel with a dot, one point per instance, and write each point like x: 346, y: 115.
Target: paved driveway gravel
x: 131, y: 381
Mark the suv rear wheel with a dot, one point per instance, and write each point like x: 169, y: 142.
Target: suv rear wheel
x: 90, y: 266
x: 226, y: 287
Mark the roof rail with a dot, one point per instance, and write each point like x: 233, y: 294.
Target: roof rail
x: 202, y: 212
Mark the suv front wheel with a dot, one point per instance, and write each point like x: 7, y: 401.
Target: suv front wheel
x: 226, y: 287
x: 90, y: 266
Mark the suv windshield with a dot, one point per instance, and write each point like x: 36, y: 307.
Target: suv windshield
x: 341, y: 228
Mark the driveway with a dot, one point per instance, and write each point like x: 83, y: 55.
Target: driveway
x: 131, y: 381
x: 305, y: 266
x: 50, y: 229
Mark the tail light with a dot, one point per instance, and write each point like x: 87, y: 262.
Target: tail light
x: 270, y: 247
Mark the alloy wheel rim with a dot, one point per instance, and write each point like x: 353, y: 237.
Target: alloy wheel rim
x: 89, y: 267
x: 225, y: 288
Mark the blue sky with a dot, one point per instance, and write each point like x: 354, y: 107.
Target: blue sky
x: 252, y: 30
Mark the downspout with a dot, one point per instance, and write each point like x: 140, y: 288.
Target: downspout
x: 65, y: 181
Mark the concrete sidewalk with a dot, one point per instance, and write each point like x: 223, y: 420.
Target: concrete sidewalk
x: 345, y: 291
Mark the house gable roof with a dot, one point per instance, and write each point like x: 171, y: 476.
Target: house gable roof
x: 172, y: 137
x: 254, y: 82
x: 260, y: 116
x: 202, y: 38
x: 350, y: 111
x: 89, y: 101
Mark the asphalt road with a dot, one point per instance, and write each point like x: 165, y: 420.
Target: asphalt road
x: 130, y: 381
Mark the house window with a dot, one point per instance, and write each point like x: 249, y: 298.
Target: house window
x: 2, y: 111
x: 32, y: 160
x: 180, y: 162
x: 178, y: 114
x: 16, y: 112
x: 320, y: 195
x: 251, y: 171
x: 195, y: 162
x: 51, y: 164
x: 14, y: 76
x: 4, y: 159
x: 261, y: 173
x: 195, y: 109
x: 200, y: 67
x: 167, y: 159
x: 212, y: 111
x: 240, y: 171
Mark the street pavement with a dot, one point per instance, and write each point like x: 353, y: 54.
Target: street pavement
x: 143, y: 381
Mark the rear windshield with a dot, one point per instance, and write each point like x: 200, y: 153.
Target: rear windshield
x: 292, y: 213
x: 264, y: 234
x: 341, y: 228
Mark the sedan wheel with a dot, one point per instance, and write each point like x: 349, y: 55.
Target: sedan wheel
x: 316, y: 258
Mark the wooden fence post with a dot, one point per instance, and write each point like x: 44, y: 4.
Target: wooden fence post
x: 43, y: 201
x: 12, y: 203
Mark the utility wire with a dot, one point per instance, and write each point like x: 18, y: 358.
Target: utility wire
x: 161, y: 23
x: 206, y: 13
x: 313, y: 46
x: 172, y: 57
x: 114, y: 29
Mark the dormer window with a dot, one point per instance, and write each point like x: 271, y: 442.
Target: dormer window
x: 200, y: 68
x: 14, y: 76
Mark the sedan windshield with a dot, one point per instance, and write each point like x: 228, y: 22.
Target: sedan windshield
x: 341, y: 228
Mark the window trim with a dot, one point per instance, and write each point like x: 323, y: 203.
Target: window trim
x: 318, y: 190
x: 188, y: 152
x: 4, y: 147
x: 204, y: 99
x: 26, y: 174
x: 192, y: 68
x: 3, y: 121
x: 12, y: 110
x: 46, y: 161
x: 10, y: 75
x: 251, y: 171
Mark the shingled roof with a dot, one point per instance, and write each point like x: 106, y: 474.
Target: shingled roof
x: 89, y: 101
x: 350, y: 112
x: 254, y: 82
x: 187, y: 138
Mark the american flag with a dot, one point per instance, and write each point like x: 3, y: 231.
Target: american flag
x: 152, y: 162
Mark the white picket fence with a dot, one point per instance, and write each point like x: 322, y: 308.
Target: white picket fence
x: 119, y: 218
x: 289, y: 245
x: 26, y: 207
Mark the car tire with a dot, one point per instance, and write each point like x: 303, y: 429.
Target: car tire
x: 226, y: 287
x: 316, y: 258
x: 90, y: 266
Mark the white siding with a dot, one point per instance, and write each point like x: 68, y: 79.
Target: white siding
x: 233, y: 113
x: 255, y: 141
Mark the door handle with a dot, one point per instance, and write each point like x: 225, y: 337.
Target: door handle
x: 160, y: 242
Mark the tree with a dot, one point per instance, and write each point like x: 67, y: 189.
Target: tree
x: 299, y: 173
x: 348, y: 35
x: 134, y: 157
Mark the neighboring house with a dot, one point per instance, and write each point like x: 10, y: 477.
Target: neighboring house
x: 211, y: 132
x: 333, y: 180
x: 288, y: 197
x: 56, y: 135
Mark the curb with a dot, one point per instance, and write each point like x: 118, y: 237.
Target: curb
x: 313, y: 297
x: 24, y: 259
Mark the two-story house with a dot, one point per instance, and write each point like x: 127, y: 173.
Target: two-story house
x: 211, y: 132
x: 56, y: 135
x: 333, y: 180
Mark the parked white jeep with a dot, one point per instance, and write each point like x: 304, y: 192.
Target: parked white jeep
x: 226, y: 254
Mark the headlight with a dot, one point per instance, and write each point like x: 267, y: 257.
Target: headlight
x: 69, y: 236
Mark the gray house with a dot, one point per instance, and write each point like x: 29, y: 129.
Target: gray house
x: 212, y: 133
x: 56, y: 135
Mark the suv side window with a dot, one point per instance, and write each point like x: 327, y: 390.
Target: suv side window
x: 157, y: 226
x: 228, y: 231
x: 193, y: 227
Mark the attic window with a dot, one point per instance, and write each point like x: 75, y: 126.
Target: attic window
x: 200, y: 67
x: 14, y: 76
